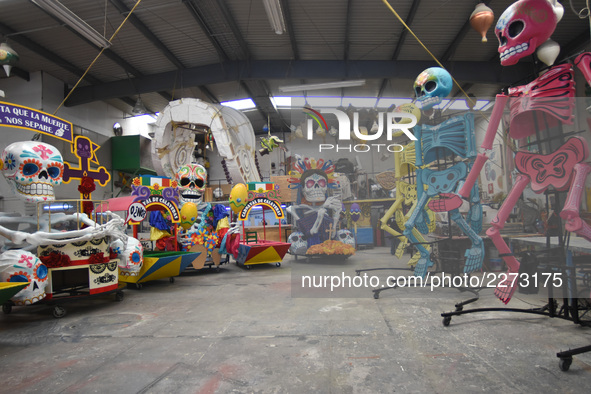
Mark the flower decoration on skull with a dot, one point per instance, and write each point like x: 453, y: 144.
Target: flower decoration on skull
x: 33, y: 169
x: 431, y: 86
x: 191, y: 180
x: 22, y: 266
x: 525, y: 25
x: 312, y: 178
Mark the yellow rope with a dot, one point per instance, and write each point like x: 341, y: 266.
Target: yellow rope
x: 97, y: 56
x: 426, y: 49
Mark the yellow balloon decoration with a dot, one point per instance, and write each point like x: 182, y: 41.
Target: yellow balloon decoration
x: 188, y: 215
x: 238, y: 197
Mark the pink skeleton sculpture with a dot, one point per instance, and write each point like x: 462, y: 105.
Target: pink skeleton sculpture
x: 553, y: 93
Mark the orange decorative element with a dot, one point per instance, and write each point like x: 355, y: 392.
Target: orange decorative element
x: 482, y: 19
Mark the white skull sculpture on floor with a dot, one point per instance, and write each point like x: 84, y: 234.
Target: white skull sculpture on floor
x: 22, y: 266
x: 191, y: 179
x: 32, y: 169
x: 131, y: 257
x: 298, y: 243
x: 346, y: 237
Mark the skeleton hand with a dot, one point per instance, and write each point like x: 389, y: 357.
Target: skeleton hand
x: 321, y: 212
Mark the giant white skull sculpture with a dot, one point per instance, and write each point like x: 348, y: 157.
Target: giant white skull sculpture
x: 346, y: 237
x: 315, y: 187
x: 131, y: 257
x: 191, y: 179
x: 298, y: 243
x: 32, y: 169
x: 22, y: 266
x: 523, y: 26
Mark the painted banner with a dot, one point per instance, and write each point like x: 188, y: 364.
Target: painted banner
x: 12, y: 115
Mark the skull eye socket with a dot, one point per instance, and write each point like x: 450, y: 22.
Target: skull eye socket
x: 199, y: 183
x: 430, y: 86
x: 515, y: 28
x: 54, y: 172
x: 21, y: 277
x: 30, y: 169
x: 310, y: 183
x: 322, y: 183
x: 41, y: 272
x: 185, y: 181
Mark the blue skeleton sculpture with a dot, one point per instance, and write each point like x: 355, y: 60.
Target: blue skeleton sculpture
x: 453, y: 136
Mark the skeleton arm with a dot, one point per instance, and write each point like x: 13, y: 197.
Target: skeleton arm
x: 332, y: 203
x: 487, y: 145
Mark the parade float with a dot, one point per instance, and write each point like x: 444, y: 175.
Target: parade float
x: 252, y: 249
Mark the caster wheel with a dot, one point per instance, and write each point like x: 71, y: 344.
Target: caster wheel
x: 217, y: 269
x: 247, y: 267
x: 171, y: 279
x: 459, y: 308
x: 376, y: 295
x: 277, y: 264
x: 446, y: 321
x: 119, y: 296
x: 139, y: 286
x: 7, y: 308
x: 59, y: 311
x: 564, y: 363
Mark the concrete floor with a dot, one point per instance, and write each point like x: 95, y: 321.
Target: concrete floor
x: 242, y: 331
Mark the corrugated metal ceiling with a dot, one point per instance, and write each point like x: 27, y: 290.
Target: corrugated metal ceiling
x: 201, y: 33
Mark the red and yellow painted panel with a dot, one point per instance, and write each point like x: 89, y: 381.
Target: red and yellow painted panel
x: 262, y: 253
x: 160, y: 265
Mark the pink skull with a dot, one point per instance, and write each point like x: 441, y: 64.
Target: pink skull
x: 524, y: 26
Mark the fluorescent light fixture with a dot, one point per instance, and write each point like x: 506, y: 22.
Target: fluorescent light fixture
x: 64, y: 14
x: 281, y: 101
x: 326, y: 102
x: 388, y: 102
x: 275, y: 15
x: 240, y: 104
x: 58, y: 207
x: 359, y: 101
x: 320, y: 86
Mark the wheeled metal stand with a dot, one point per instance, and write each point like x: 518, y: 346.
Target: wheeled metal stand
x: 58, y: 310
x: 569, y: 310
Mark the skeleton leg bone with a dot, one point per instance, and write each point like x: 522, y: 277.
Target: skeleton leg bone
x: 506, y: 287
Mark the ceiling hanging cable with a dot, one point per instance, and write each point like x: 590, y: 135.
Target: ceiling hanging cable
x: 97, y: 57
x: 424, y: 47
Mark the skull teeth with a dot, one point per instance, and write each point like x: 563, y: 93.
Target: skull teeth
x: 35, y: 189
x: 30, y: 301
x: 507, y: 53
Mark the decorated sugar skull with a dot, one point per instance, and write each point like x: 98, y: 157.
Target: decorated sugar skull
x: 314, y: 185
x: 431, y: 86
x: 525, y: 25
x: 298, y: 243
x: 346, y: 237
x: 355, y: 212
x: 191, y: 179
x: 22, y: 266
x: 131, y: 257
x: 32, y: 169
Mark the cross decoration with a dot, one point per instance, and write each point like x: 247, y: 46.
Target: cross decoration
x: 85, y: 150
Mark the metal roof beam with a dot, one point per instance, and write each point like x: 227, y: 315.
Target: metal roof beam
x: 123, y: 9
x: 475, y: 72
x: 200, y: 19
x: 347, y: 34
x: 409, y: 19
x: 289, y: 28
